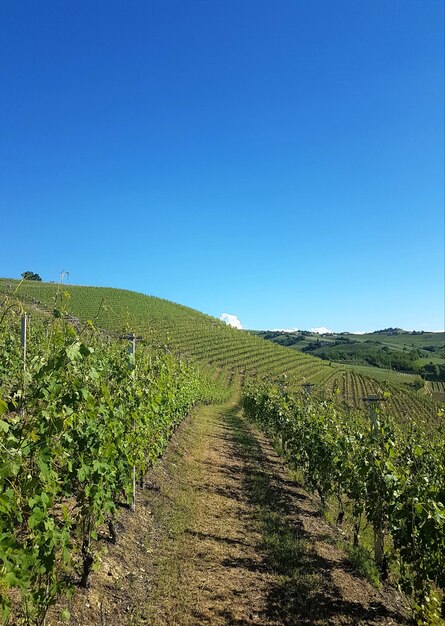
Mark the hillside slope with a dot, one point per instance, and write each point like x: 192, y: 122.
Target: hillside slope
x: 166, y: 324
x: 205, y: 339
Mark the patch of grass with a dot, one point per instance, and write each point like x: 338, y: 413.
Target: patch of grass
x: 284, y: 546
x: 361, y: 555
x: 175, y: 508
x: 364, y: 563
x: 286, y: 551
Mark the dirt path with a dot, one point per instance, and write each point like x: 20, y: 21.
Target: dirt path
x: 245, y: 545
x: 223, y: 536
x: 218, y: 575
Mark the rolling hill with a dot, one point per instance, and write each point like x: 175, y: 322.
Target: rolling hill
x: 202, y: 338
x: 391, y: 350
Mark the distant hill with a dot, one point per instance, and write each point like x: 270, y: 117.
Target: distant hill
x: 416, y: 352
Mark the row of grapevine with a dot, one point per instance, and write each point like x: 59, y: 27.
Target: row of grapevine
x: 438, y: 386
x: 352, y: 388
x: 392, y: 476
x: 205, y: 340
x: 79, y: 423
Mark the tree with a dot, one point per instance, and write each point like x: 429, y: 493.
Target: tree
x: 30, y: 276
x: 418, y: 383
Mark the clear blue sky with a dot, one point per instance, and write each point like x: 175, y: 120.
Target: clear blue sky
x: 280, y: 161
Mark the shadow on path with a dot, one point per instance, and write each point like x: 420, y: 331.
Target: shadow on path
x: 305, y: 592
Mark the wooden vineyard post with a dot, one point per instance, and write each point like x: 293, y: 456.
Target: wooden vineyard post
x: 131, y: 363
x: 308, y: 389
x: 373, y: 402
x: 132, y: 349
x: 132, y: 357
x: 23, y: 337
x: 283, y: 390
x: 283, y: 384
x: 24, y: 341
x: 379, y: 534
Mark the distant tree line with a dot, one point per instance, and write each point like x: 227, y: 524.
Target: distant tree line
x: 383, y: 357
x: 434, y: 371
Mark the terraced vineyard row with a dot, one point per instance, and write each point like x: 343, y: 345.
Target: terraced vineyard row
x: 353, y: 388
x: 206, y: 340
x: 437, y: 386
x: 163, y: 323
x: 436, y: 390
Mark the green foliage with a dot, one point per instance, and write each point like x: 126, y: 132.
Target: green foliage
x: 182, y: 331
x: 73, y: 425
x: 364, y: 563
x: 434, y: 371
x: 394, y: 476
x: 30, y: 276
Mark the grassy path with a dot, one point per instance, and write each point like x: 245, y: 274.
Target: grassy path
x: 242, y: 544
x: 209, y: 571
x: 223, y: 535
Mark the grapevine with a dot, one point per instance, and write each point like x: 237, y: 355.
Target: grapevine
x: 393, y: 477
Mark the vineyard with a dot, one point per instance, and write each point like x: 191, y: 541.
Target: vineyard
x: 204, y: 339
x: 401, y: 401
x: 94, y: 382
x: 378, y: 471
x: 81, y: 422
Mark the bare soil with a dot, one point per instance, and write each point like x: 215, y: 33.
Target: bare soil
x: 223, y: 535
